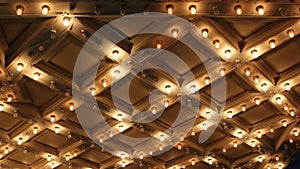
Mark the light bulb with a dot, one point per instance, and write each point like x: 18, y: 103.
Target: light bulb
x: 175, y: 33
x: 120, y: 117
x: 193, y: 133
x: 27, y: 136
x: 290, y: 32
x: 45, y: 9
x: 272, y: 43
x: 66, y: 21
x: 259, y: 134
x: 256, y: 79
x: 67, y: 157
x: 19, y: 10
x: 36, y: 76
x: 52, y: 118
x: 35, y: 130
x: 56, y: 129
x: 272, y: 130
x: 284, y: 124
x: 6, y: 150
x: 71, y: 106
x: 240, y: 135
x: 115, y: 54
x: 52, y: 165
x: 154, y: 110
x: 168, y: 89
x: 229, y: 114
x: 279, y: 167
x: 277, y: 158
x: 123, y: 164
x: 93, y: 91
x: 217, y: 44
x: 20, y: 67
x: 228, y: 54
x: 141, y: 156
x: 235, y: 144
x: 104, y: 83
x: 204, y: 126
x: 9, y: 98
x: 247, y: 71
x: 254, y: 53
x: 260, y: 159
x: 170, y: 9
x: 208, y: 115
x: 222, y: 72
x: 49, y: 157
x: 162, y: 137
x: 264, y: 87
x: 253, y: 144
x: 238, y: 9
x: 166, y: 103
x: 204, y: 33
x: 287, y: 86
x: 292, y: 113
x: 260, y: 10
x: 296, y: 134
x: 179, y: 146
x: 210, y: 161
x: 159, y: 44
x: 20, y: 141
x: 244, y: 107
x: 121, y: 128
x: 117, y: 73
x: 224, y: 150
x: 193, y: 88
x: 278, y: 100
x: 161, y: 147
x: 192, y: 9
x: 1, y: 107
x: 111, y: 133
x: 291, y: 140
x: 193, y: 162
x: 207, y: 80
x: 285, y: 107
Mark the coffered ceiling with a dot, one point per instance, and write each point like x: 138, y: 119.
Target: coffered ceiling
x: 259, y: 124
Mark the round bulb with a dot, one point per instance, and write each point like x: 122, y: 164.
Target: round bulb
x: 287, y: 86
x: 260, y: 10
x: 66, y: 21
x: 207, y: 80
x: 255, y: 78
x: 166, y: 103
x: 284, y: 124
x: 228, y: 54
x: 247, y: 72
x: 19, y: 10
x: 170, y: 9
x: 253, y: 144
x: 208, y: 115
x: 9, y: 98
x: 264, y: 87
x: 259, y: 134
x: 115, y: 54
x: 93, y: 91
x: 238, y: 10
x: 104, y: 83
x: 244, y: 107
x: 71, y: 106
x: 290, y: 32
x: 278, y: 100
x: 257, y: 101
x: 45, y: 9
x: 292, y: 113
x: 1, y: 107
x: 205, y: 33
x: 168, y: 89
x: 159, y: 44
x: 120, y: 117
x: 272, y: 44
x: 49, y: 158
x: 35, y: 130
x: 20, y: 141
x: 254, y: 53
x: 217, y: 44
x: 36, y: 76
x: 192, y: 9
x: 57, y: 130
x: 20, y: 67
x: 175, y: 33
x: 52, y: 118
x: 229, y: 114
x: 154, y: 110
x: 222, y: 72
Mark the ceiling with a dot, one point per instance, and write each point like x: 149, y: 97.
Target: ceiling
x: 44, y: 46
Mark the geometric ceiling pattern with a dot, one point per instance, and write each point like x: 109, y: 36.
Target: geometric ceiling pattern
x: 257, y: 42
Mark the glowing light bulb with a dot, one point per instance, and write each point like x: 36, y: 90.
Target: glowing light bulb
x: 259, y: 135
x: 71, y: 106
x: 67, y: 21
x: 235, y: 144
x: 228, y: 54
x: 67, y: 157
x: 179, y: 146
x: 279, y: 167
x: 287, y: 86
x: 52, y: 165
x: 120, y: 117
x: 285, y: 107
x: 115, y: 54
x: 35, y: 130
x: 244, y: 107
x: 45, y: 9
x: 20, y: 67
x: 20, y: 141
x: 204, y: 126
x: 168, y: 89
x: 260, y: 10
x: 292, y: 113
x: 123, y: 164
x: 154, y: 110
x: 238, y: 9
x: 260, y: 159
x: 192, y: 9
x: 247, y: 71
x: 207, y: 80
x: 9, y: 98
x: 229, y: 114
x: 208, y: 115
x: 264, y: 87
x: 159, y: 44
x: 272, y: 43
x: 27, y: 136
x: 291, y: 140
x: 121, y: 128
x: 193, y: 88
x: 204, y: 33
x: 166, y: 103
x: 19, y: 10
x: 161, y: 148
x: 224, y: 150
x: 49, y: 158
x: 170, y: 9
x: 296, y: 134
x: 291, y: 33
x: 256, y: 79
x: 104, y: 83
x: 117, y: 73
x: 193, y: 133
x: 254, y: 53
x: 52, y: 118
x: 6, y: 150
x: 240, y: 135
x: 36, y: 76
x: 284, y: 123
x: 278, y: 100
x: 277, y: 158
x: 162, y: 137
x: 93, y: 91
x: 272, y: 130
x: 1, y: 107
x: 56, y: 129
x: 209, y: 161
x: 222, y: 72
x: 217, y: 44
x: 175, y: 33
x: 253, y: 144
x: 141, y: 156
x: 193, y: 162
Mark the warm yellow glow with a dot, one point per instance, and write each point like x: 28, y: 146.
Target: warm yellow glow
x: 217, y: 44
x: 45, y: 9
x: 207, y: 80
x: 35, y: 130
x: 228, y: 54
x: 170, y: 9
x: 272, y: 43
x: 104, y: 83
x: 71, y: 106
x: 36, y: 76
x: 235, y: 144
x: 168, y: 89
x: 9, y: 98
x: 238, y: 10
x: 175, y: 33
x: 287, y: 86
x: 260, y: 10
x: 291, y: 33
x: 253, y: 144
x: 256, y: 79
x: 93, y: 91
x: 264, y: 87
x: 260, y: 159
x: 179, y: 146
x: 296, y: 134
x: 240, y: 135
x: 222, y: 72
x: 204, y: 33
x: 121, y: 128
x: 166, y: 103
x: 67, y: 21
x: 153, y: 109
x: 292, y: 113
x: 278, y: 100
x: 284, y: 123
x: 229, y: 114
x: 49, y: 157
x: 56, y: 129
x: 193, y: 162
x: 254, y: 53
x: 20, y: 67
x: 259, y: 135
x: 257, y: 101
x: 117, y: 73
x: 20, y: 141
x: 67, y: 157
x: 19, y: 10
x: 120, y: 117
x: 52, y: 118
x: 1, y: 107
x: 159, y: 44
x: 244, y: 107
x: 192, y: 9
x: 247, y: 71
